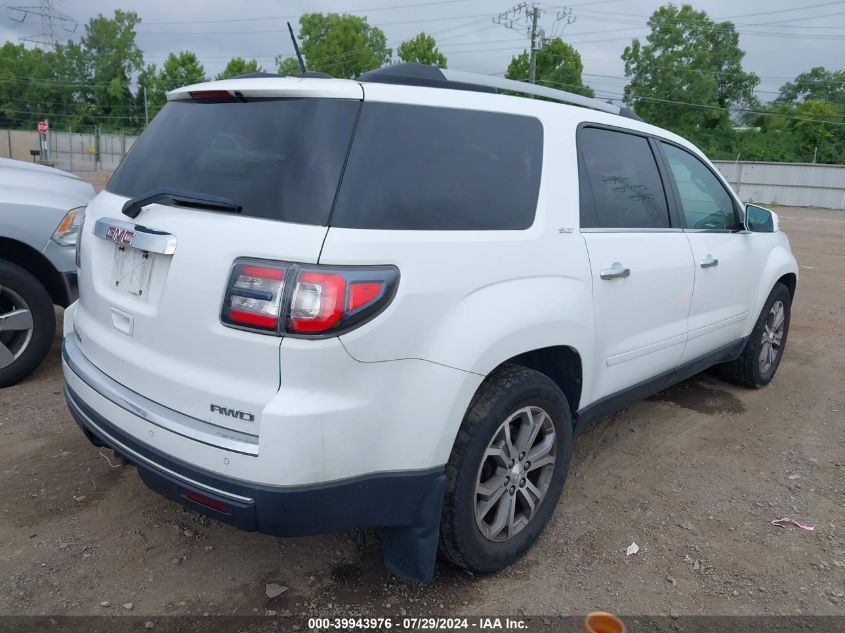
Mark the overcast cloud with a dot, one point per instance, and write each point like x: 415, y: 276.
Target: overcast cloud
x: 781, y: 38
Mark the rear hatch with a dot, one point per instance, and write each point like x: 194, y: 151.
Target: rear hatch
x: 152, y: 287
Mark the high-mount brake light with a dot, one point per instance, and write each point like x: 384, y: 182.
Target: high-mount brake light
x: 319, y: 300
x: 254, y: 295
x: 212, y: 95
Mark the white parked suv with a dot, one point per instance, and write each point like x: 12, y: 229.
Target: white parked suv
x: 314, y: 304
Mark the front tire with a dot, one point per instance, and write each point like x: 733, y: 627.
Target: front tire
x: 764, y: 349
x: 27, y: 323
x: 507, y: 469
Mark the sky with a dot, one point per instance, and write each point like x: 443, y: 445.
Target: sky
x: 781, y: 38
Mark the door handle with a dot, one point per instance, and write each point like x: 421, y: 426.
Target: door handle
x: 709, y: 262
x: 617, y: 271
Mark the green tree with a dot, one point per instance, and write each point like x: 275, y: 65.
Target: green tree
x: 288, y: 66
x: 422, y: 49
x: 342, y: 45
x: 818, y: 139
x: 178, y: 70
x: 687, y: 59
x: 73, y: 93
x: 239, y: 66
x: 111, y: 58
x: 558, y: 66
x: 817, y: 84
x: 149, y: 100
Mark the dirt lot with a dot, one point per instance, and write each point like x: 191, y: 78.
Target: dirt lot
x: 693, y: 476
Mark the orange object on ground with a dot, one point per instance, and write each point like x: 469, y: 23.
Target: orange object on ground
x: 601, y: 622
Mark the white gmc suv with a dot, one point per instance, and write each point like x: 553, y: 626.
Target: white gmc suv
x: 313, y: 304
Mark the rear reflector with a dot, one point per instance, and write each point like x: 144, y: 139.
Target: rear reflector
x: 207, y: 501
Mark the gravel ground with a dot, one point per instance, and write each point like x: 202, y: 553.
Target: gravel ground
x: 693, y: 476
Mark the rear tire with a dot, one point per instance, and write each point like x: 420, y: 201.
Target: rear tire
x: 764, y: 349
x: 27, y: 323
x: 493, y: 510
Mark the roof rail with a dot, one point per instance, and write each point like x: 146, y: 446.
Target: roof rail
x: 411, y: 74
x: 536, y: 90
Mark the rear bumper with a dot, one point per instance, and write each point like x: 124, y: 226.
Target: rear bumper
x: 379, y: 500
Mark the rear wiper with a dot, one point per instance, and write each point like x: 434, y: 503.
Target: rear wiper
x: 179, y: 198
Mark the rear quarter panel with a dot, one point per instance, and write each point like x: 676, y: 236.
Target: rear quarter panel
x: 473, y: 299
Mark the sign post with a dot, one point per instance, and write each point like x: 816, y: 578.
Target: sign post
x: 43, y: 128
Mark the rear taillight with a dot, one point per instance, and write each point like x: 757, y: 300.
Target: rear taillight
x: 254, y: 295
x: 298, y: 300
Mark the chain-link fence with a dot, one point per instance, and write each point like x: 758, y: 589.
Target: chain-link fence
x: 71, y: 151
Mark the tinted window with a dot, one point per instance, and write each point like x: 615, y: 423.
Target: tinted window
x: 620, y: 184
x: 705, y: 202
x: 279, y: 158
x: 416, y: 167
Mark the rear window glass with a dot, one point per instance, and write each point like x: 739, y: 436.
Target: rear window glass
x: 279, y: 159
x: 428, y: 168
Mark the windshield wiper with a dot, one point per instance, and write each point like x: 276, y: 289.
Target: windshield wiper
x: 179, y: 198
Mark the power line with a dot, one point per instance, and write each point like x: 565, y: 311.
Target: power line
x: 804, y: 8
x: 261, y: 31
x: 290, y: 17
x: 840, y: 121
x: 526, y: 17
x: 50, y: 20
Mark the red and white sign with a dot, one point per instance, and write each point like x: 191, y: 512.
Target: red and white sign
x: 43, y: 127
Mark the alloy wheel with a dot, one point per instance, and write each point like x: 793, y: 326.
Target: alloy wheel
x: 772, y: 340
x: 515, y: 473
x: 15, y: 326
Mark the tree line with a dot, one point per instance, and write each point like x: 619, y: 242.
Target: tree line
x: 686, y: 76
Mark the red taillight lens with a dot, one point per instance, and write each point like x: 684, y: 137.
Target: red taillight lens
x: 363, y: 292
x: 318, y: 301
x: 212, y: 95
x: 254, y: 296
x: 321, y: 300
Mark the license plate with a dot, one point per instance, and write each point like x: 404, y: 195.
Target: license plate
x: 131, y: 270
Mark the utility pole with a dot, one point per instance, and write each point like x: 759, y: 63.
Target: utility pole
x: 50, y: 19
x: 146, y: 110
x: 525, y: 16
x: 532, y: 74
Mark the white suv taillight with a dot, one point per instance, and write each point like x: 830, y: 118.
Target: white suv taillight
x: 296, y: 300
x: 254, y: 295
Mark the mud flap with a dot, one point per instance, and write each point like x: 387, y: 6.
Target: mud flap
x: 411, y: 551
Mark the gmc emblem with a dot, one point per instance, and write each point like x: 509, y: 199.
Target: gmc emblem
x: 121, y: 236
x: 233, y: 413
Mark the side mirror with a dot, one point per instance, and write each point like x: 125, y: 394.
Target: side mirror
x: 760, y: 219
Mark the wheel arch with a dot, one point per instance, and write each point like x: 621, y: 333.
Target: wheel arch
x: 790, y: 280
x: 561, y: 363
x: 37, y: 265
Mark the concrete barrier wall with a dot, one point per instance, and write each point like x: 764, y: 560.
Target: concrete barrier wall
x: 789, y: 184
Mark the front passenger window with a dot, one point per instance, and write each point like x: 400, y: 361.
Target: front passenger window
x: 704, y: 201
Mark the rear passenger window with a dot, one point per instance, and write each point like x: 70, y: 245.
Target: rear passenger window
x: 428, y: 168
x: 620, y: 184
